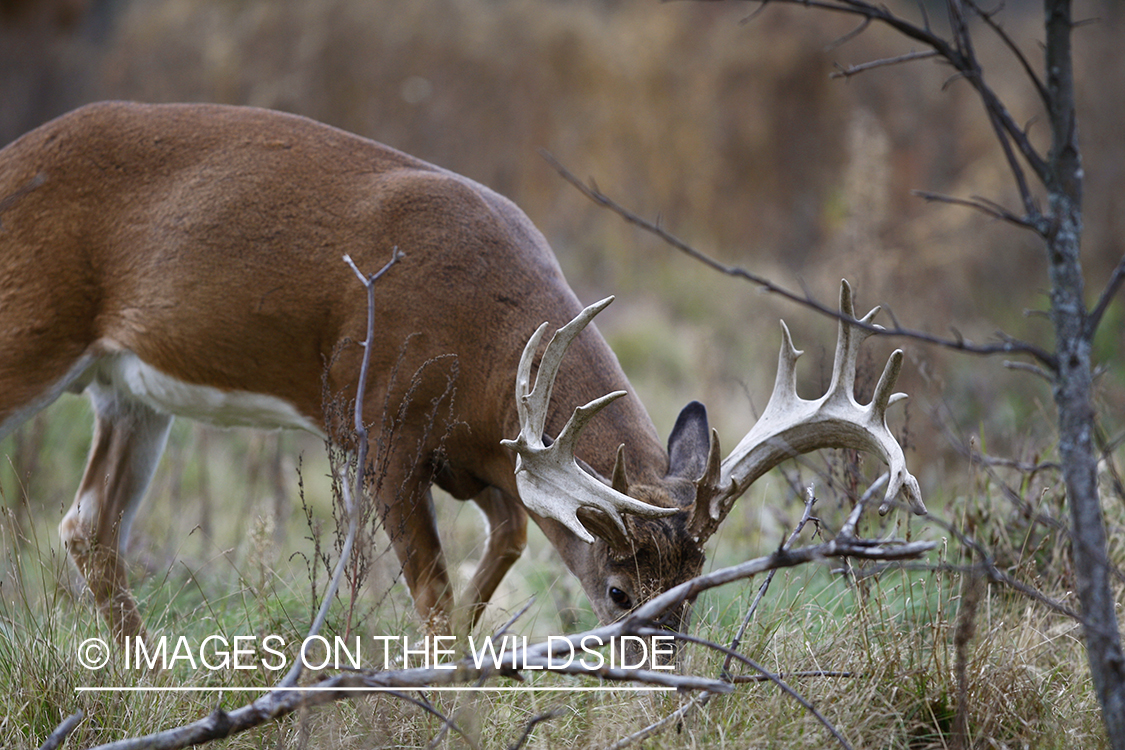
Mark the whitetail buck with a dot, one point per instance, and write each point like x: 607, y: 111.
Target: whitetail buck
x: 186, y: 259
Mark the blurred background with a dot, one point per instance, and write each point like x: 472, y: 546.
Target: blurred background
x: 724, y: 123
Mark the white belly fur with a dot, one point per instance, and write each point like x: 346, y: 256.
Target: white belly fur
x: 127, y: 374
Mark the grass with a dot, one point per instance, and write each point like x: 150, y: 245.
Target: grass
x: 890, y: 640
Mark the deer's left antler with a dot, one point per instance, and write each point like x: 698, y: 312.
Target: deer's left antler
x: 550, y: 481
x: 791, y: 425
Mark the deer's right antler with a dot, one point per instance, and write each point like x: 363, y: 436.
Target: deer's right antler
x: 550, y: 481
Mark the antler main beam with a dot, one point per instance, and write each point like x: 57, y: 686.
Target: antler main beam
x: 791, y: 425
x: 550, y: 481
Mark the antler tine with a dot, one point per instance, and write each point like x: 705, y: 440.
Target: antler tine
x: 532, y: 420
x: 532, y: 402
x: 849, y: 338
x: 791, y: 425
x: 549, y: 479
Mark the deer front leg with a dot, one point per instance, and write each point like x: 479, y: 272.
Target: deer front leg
x: 507, y: 537
x: 408, y: 518
x: 129, y: 439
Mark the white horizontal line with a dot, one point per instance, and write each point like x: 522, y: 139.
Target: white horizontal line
x: 411, y: 688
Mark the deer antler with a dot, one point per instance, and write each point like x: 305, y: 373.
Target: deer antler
x: 550, y: 481
x: 791, y: 425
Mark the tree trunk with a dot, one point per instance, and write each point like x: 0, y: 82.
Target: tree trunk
x: 1073, y: 382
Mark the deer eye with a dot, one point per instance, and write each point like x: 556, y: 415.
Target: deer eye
x: 620, y: 598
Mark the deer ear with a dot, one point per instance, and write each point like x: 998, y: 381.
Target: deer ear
x: 689, y: 443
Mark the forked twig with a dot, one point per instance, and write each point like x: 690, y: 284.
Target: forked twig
x: 350, y: 493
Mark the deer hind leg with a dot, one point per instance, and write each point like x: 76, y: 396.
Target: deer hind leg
x: 507, y: 537
x: 129, y: 438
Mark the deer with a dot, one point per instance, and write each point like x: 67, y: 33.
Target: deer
x: 185, y: 260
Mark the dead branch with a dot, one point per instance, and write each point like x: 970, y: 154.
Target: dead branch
x: 530, y: 727
x: 742, y: 679
x: 513, y: 662
x: 58, y: 736
x: 349, y: 492
x: 810, y: 500
x: 977, y: 203
x: 851, y: 70
x: 1111, y: 288
x: 988, y: 18
x: 702, y: 700
x: 697, y: 700
x: 1006, y: 346
x: 768, y: 675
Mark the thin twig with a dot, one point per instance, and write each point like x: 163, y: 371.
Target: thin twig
x: 863, y: 24
x: 851, y: 70
x: 1095, y: 317
x: 742, y: 679
x: 1035, y: 370
x: 998, y: 576
x: 987, y: 17
x: 696, y: 701
x: 531, y: 726
x: 983, y: 205
x: 960, y: 55
x: 447, y: 721
x: 771, y: 676
x: 810, y: 500
x: 349, y: 493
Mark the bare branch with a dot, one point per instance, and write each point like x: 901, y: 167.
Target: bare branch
x: 995, y: 575
x: 696, y: 701
x: 768, y: 675
x: 58, y: 736
x: 283, y: 700
x: 960, y: 55
x: 841, y: 546
x: 531, y: 726
x: 983, y: 205
x: 810, y: 500
x: 742, y: 679
x: 960, y: 344
x: 1095, y: 317
x: 987, y: 17
x: 1028, y: 367
x: 349, y: 492
x: 851, y: 70
x: 863, y: 24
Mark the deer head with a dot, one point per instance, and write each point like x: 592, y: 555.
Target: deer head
x: 636, y: 540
